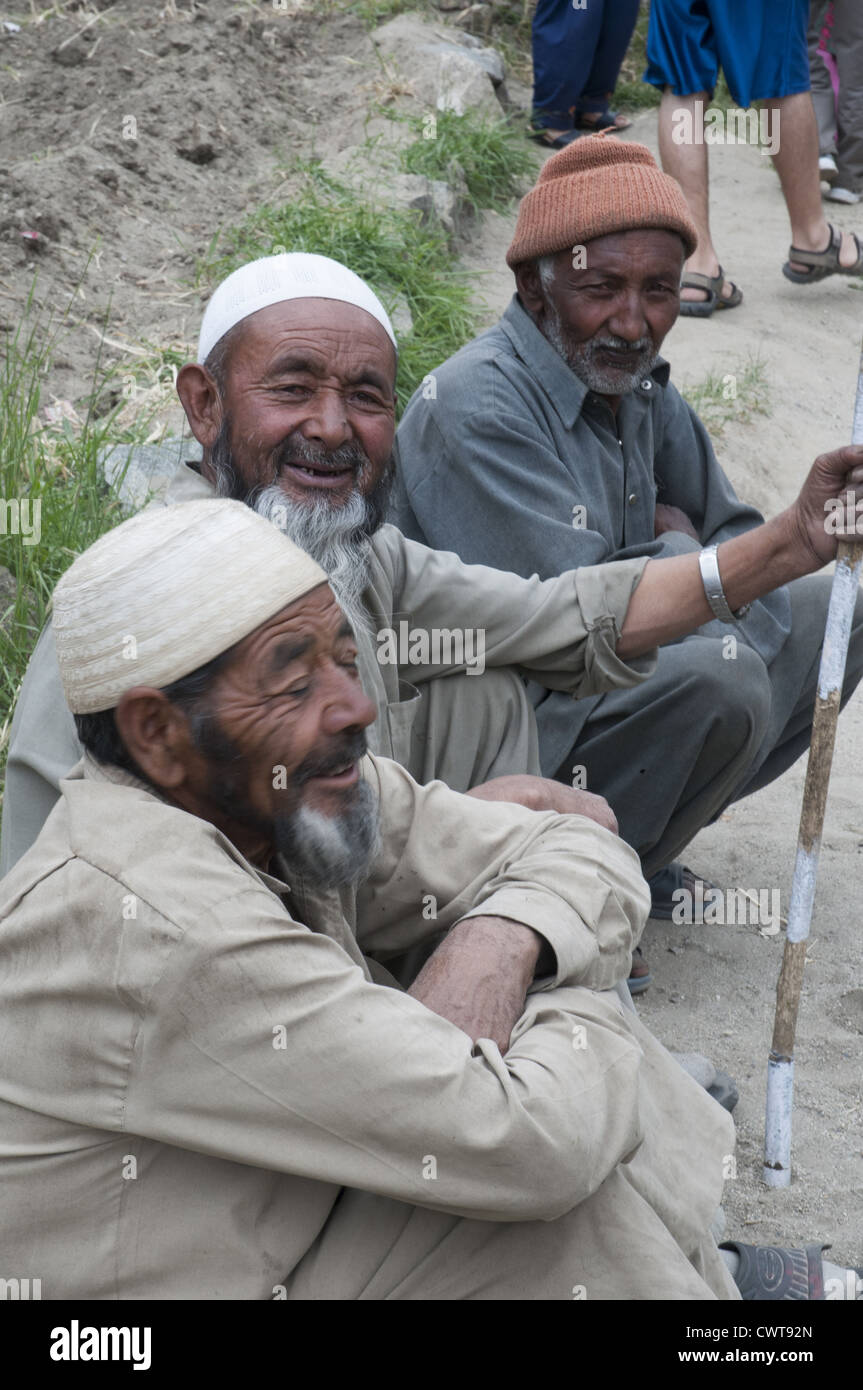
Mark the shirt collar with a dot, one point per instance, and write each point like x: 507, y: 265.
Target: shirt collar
x: 91, y: 770
x: 566, y: 391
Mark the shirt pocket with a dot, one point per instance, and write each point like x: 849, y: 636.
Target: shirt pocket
x: 401, y: 714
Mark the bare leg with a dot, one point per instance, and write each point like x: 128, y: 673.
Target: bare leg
x: 796, y: 162
x: 688, y: 164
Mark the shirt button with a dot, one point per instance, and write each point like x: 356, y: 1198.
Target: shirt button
x: 632, y: 499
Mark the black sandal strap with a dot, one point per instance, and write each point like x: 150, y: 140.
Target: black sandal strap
x: 767, y: 1273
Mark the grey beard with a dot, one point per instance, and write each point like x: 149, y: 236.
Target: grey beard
x: 331, y: 851
x: 579, y: 357
x: 336, y: 537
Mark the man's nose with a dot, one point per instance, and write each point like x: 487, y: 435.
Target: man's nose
x: 346, y: 705
x: 326, y: 419
x: 628, y: 321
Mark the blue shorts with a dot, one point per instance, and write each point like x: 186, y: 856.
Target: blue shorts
x: 759, y: 44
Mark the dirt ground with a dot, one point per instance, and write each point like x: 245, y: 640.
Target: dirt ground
x: 220, y: 100
x: 126, y: 143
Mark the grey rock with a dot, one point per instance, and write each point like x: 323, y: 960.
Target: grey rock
x: 463, y: 84
x: 487, y: 58
x: 377, y: 176
x: 442, y: 71
x: 141, y: 471
x: 452, y: 205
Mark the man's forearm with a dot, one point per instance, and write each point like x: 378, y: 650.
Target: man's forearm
x: 669, y: 600
x: 479, y: 976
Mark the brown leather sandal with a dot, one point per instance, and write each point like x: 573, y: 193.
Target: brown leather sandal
x: 822, y: 263
x: 712, y: 285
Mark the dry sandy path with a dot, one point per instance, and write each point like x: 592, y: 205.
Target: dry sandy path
x: 714, y: 988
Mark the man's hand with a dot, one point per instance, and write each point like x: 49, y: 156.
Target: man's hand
x: 669, y: 600
x: 544, y: 794
x: 479, y: 976
x: 668, y: 518
x: 818, y: 523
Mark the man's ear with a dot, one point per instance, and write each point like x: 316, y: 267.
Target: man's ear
x: 156, y: 735
x: 529, y: 287
x: 202, y: 402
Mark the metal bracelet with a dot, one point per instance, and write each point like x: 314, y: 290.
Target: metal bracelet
x: 713, y: 590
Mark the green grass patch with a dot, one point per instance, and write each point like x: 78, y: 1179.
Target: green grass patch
x: 492, y: 155
x: 51, y: 475
x: 720, y: 398
x: 407, y: 264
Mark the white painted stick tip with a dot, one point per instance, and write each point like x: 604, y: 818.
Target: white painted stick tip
x: 777, y: 1129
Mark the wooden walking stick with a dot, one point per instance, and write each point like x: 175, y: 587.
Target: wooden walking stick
x: 780, y: 1066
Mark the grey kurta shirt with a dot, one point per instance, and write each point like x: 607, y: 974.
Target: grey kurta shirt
x: 562, y: 632
x: 508, y: 459
x: 198, y: 1058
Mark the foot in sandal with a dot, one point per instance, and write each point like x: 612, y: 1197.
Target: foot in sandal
x: 701, y: 294
x: 843, y: 255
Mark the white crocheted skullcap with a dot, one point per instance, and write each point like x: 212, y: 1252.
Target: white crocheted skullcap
x: 166, y: 592
x: 274, y: 279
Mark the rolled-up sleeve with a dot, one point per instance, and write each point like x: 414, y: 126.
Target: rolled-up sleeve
x: 448, y: 856
x: 559, y: 632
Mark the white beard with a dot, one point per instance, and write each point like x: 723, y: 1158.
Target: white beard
x: 332, y: 536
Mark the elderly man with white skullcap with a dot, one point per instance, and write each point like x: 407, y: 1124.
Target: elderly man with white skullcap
x: 211, y: 1091
x: 293, y: 401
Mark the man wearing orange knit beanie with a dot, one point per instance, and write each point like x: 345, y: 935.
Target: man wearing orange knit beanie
x: 555, y: 440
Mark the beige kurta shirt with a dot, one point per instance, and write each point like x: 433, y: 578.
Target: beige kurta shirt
x: 206, y: 1094
x: 561, y: 632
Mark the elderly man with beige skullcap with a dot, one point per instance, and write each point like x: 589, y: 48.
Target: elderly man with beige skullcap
x: 210, y: 1090
x: 556, y: 440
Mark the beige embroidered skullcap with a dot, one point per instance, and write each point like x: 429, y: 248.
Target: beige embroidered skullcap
x: 167, y: 591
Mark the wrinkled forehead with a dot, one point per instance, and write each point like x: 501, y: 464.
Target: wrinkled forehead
x: 647, y: 246
x: 315, y: 617
x: 325, y: 333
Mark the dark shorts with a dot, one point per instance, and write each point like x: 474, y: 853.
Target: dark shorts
x: 759, y: 44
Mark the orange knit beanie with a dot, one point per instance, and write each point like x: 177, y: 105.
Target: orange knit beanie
x: 595, y: 186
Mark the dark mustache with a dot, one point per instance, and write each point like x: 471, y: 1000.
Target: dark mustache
x: 297, y: 449
x: 349, y: 750
x: 621, y: 345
